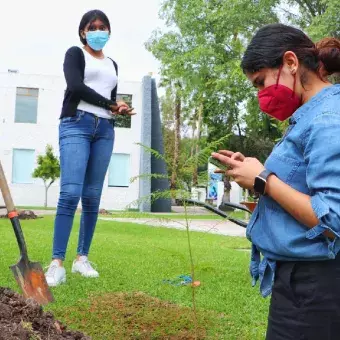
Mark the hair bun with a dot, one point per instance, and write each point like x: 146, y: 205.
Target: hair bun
x: 329, y: 54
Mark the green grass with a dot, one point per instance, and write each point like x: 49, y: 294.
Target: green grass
x: 35, y: 208
x: 134, y: 258
x: 174, y: 216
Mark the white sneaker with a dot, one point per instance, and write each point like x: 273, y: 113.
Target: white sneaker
x: 83, y: 266
x: 55, y: 274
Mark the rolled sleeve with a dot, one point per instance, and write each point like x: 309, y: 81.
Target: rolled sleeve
x: 322, y: 156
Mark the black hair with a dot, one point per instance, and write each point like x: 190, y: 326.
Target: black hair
x: 89, y: 18
x: 271, y: 42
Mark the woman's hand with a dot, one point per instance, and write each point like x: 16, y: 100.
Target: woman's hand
x: 122, y: 108
x: 233, y: 155
x: 242, y: 169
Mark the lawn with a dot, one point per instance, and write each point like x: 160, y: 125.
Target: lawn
x: 176, y: 216
x: 130, y: 299
x: 173, y: 216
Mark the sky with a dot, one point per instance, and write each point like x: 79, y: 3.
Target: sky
x: 37, y: 33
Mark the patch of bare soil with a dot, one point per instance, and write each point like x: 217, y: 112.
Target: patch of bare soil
x: 24, y: 319
x: 139, y: 316
x: 22, y: 215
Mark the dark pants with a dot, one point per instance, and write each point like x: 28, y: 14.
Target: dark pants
x: 305, y: 301
x: 86, y: 144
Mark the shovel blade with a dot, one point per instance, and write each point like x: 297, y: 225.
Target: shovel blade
x: 31, y: 279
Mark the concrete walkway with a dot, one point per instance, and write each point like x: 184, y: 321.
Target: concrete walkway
x: 44, y: 212
x: 192, y: 210
x: 223, y: 227
x: 207, y: 226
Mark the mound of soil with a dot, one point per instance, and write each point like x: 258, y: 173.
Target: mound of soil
x: 22, y: 215
x: 104, y: 212
x: 22, y: 319
x: 27, y: 215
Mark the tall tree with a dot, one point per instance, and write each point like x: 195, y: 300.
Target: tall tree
x: 202, y: 48
x: 178, y: 106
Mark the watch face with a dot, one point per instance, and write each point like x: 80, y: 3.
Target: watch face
x: 260, y: 185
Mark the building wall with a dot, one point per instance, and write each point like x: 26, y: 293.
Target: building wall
x: 45, y: 131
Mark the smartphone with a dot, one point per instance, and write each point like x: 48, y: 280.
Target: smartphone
x: 127, y: 111
x: 217, y: 163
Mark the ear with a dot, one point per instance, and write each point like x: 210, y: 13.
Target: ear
x: 82, y: 33
x: 291, y: 61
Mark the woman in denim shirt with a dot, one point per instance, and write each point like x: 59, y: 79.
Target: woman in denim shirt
x: 296, y: 225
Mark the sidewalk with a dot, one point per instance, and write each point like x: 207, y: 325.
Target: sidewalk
x: 220, y: 227
x: 208, y: 226
x: 191, y: 210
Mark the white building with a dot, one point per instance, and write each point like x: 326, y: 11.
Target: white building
x: 29, y: 118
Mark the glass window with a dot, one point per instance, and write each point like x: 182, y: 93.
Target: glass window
x: 26, y: 105
x: 119, y: 170
x: 23, y: 166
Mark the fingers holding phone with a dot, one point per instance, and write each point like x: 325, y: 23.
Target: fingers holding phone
x: 122, y: 109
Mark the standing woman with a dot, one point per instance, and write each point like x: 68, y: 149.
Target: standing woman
x: 86, y: 137
x: 296, y: 225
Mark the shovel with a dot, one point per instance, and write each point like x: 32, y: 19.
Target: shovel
x: 29, y: 275
x: 220, y: 212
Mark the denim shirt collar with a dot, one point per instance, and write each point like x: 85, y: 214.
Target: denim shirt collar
x: 324, y: 93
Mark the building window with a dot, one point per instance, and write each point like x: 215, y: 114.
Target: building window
x: 23, y: 166
x: 119, y: 170
x: 124, y: 121
x: 26, y: 105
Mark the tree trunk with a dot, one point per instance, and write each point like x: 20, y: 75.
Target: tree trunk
x: 226, y: 193
x: 199, y: 132
x: 177, y: 141
x: 227, y: 189
x: 46, y: 190
x: 192, y: 150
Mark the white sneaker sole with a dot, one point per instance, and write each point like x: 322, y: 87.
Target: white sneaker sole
x: 75, y: 271
x: 58, y: 283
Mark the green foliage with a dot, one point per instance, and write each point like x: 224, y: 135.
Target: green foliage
x: 202, y: 50
x: 124, y: 121
x: 48, y: 168
x: 320, y: 18
x: 326, y: 24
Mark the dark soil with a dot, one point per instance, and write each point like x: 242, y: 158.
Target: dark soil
x: 22, y: 319
x: 104, y: 212
x: 22, y: 215
x: 27, y: 215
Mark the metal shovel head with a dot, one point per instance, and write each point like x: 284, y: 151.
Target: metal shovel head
x: 31, y: 279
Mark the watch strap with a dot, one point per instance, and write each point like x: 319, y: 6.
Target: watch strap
x: 261, y: 189
x: 265, y: 174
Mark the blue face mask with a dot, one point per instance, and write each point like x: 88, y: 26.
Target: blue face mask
x: 97, y: 39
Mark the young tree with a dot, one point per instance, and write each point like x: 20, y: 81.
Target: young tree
x: 48, y: 169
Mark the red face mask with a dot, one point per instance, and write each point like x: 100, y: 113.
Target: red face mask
x: 279, y: 101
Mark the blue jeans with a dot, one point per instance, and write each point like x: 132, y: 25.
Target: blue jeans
x: 86, y: 144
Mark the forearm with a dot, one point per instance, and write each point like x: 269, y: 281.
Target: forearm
x: 90, y: 96
x: 294, y: 202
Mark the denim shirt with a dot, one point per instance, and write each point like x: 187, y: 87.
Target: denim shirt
x: 308, y: 159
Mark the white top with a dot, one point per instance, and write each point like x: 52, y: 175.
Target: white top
x: 101, y: 76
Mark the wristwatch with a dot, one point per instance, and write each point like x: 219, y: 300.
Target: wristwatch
x: 261, y: 182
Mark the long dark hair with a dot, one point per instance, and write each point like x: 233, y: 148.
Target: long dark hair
x: 271, y: 42
x: 89, y: 18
